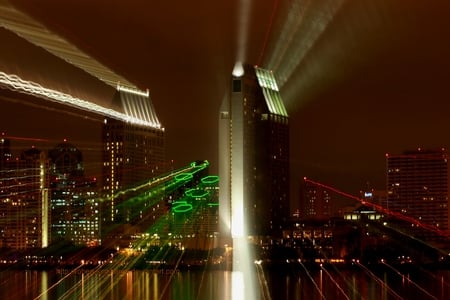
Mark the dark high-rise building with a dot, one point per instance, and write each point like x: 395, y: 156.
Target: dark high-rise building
x: 316, y: 202
x: 24, y: 205
x: 133, y: 150
x: 75, y: 205
x: 254, y: 156
x: 417, y: 186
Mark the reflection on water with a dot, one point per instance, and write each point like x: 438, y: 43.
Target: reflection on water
x: 321, y: 284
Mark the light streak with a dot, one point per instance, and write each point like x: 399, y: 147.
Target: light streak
x: 15, y: 83
x: 263, y: 282
x: 269, y: 29
x: 244, y: 281
x: 304, y: 25
x: 322, y: 296
x: 408, y: 279
x: 20, y: 138
x: 44, y: 293
x: 337, y: 271
x: 377, y: 279
x: 335, y: 282
x: 37, y: 34
x: 243, y: 29
x: 75, y: 288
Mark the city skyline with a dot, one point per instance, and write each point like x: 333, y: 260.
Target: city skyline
x: 362, y: 81
x: 378, y: 70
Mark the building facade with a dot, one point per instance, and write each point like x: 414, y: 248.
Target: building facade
x: 133, y: 152
x: 254, y: 156
x: 417, y: 186
x: 75, y: 201
x: 316, y: 202
x: 24, y: 201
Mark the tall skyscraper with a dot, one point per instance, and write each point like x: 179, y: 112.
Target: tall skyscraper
x: 254, y: 156
x: 24, y: 205
x: 75, y: 202
x: 133, y: 151
x: 417, y: 186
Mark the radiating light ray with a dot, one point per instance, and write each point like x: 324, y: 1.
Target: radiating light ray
x: 288, y: 32
x: 243, y: 27
x: 408, y: 279
x: 74, y: 290
x: 349, y: 284
x: 265, y: 294
x: 202, y: 277
x: 170, y: 279
x: 15, y: 83
x: 436, y: 277
x: 37, y: 34
x: 304, y: 25
x: 53, y: 109
x: 22, y: 138
x: 126, y: 263
x: 334, y: 282
x: 243, y: 278
x: 44, y: 293
x: 268, y: 31
x: 312, y: 280
x: 377, y: 279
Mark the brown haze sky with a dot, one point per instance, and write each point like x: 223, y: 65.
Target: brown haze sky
x: 359, y: 77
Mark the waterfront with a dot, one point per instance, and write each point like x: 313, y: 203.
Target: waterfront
x: 354, y: 283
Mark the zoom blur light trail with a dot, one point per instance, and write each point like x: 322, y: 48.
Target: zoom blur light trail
x: 243, y: 21
x: 304, y: 25
x: 408, y: 279
x: 382, y: 283
x: 36, y: 33
x: 15, y: 83
x: 338, y: 286
x: 125, y: 262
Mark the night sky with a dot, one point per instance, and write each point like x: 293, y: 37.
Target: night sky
x: 360, y: 78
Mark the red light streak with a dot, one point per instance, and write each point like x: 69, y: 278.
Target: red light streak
x: 269, y: 29
x: 19, y: 138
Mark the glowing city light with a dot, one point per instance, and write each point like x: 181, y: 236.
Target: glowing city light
x: 238, y: 69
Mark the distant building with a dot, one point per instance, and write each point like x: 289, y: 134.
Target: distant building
x: 417, y: 186
x: 378, y: 198
x: 254, y: 156
x: 75, y: 202
x: 24, y: 201
x: 315, y: 202
x: 133, y: 151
